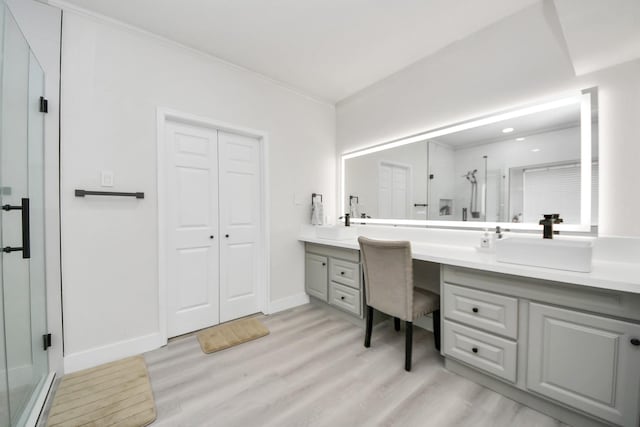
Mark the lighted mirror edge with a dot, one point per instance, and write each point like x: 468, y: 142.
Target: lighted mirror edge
x: 521, y: 226
x: 585, y: 99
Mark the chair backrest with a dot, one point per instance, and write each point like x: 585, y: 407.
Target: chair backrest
x: 388, y: 276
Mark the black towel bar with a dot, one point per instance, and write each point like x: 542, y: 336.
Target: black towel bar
x: 82, y: 193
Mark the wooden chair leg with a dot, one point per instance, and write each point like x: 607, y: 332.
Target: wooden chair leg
x: 436, y: 329
x: 396, y: 323
x: 369, y: 325
x: 408, y: 346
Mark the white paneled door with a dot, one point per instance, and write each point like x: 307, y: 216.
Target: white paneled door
x: 192, y: 218
x: 240, y: 219
x: 393, y: 190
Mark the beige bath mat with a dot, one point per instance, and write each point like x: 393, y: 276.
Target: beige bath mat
x: 230, y: 334
x: 115, y: 394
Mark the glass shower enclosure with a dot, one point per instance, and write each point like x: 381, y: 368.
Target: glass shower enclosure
x: 23, y: 356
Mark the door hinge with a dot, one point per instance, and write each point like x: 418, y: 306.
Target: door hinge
x: 44, y: 105
x: 46, y: 341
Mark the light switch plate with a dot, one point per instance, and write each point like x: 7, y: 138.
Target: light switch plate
x: 106, y: 178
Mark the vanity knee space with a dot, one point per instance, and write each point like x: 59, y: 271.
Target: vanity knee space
x: 556, y: 342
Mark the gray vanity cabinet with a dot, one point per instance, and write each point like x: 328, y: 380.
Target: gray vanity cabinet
x: 546, y: 343
x: 333, y: 275
x: 585, y: 361
x: 316, y: 273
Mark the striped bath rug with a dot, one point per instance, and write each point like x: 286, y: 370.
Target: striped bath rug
x: 115, y: 394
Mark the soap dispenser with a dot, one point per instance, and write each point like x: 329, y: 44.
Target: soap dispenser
x: 485, y: 240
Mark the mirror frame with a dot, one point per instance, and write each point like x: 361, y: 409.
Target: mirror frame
x: 587, y: 99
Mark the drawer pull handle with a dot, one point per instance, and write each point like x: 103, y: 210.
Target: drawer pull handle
x: 342, y: 297
x: 324, y: 263
x: 342, y: 272
x: 474, y: 349
x: 474, y: 309
x: 635, y: 341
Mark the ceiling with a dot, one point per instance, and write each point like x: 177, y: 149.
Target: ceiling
x: 524, y: 126
x: 329, y: 49
x: 600, y: 33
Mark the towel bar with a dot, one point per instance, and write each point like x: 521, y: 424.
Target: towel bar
x: 82, y: 193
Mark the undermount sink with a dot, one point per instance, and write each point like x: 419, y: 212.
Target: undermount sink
x: 559, y: 254
x: 336, y: 232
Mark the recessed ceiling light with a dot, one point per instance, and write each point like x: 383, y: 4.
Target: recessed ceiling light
x: 535, y: 150
x: 507, y: 130
x: 520, y: 139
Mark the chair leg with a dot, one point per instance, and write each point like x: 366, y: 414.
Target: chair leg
x: 408, y: 346
x: 369, y: 325
x: 436, y: 329
x: 396, y: 323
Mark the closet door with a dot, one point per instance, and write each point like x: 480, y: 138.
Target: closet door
x: 193, y: 263
x: 239, y: 225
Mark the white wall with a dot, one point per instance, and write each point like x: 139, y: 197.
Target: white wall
x: 113, y: 79
x: 517, y: 61
x: 40, y: 25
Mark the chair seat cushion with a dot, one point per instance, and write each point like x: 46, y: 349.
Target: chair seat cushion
x: 424, y: 302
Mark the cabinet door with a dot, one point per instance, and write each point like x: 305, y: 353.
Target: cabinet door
x: 585, y: 361
x: 316, y: 276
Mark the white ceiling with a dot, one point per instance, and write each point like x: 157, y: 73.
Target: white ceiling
x: 524, y: 126
x: 600, y: 33
x: 329, y: 49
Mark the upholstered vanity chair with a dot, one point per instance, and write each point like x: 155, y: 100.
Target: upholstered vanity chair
x: 388, y: 284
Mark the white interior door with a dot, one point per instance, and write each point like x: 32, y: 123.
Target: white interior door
x: 239, y: 225
x: 192, y: 240
x: 393, y: 191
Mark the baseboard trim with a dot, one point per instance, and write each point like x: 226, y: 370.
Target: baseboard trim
x: 108, y: 353
x: 288, y: 302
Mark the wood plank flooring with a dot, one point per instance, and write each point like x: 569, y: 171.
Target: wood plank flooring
x: 312, y: 370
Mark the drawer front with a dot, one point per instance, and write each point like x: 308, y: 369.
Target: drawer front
x: 345, y: 272
x: 484, y: 351
x: 345, y: 297
x: 333, y: 251
x: 483, y: 310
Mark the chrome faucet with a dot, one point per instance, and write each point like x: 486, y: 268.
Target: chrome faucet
x: 548, y: 222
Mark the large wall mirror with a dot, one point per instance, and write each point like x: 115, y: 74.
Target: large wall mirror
x: 504, y: 169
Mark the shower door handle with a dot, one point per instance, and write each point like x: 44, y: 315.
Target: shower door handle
x: 26, y: 237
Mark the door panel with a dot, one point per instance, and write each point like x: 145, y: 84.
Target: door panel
x: 316, y: 276
x: 192, y: 264
x: 393, y: 190
x: 24, y: 363
x: 585, y: 361
x: 240, y: 221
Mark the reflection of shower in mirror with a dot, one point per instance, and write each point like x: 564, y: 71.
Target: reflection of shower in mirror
x: 473, y: 203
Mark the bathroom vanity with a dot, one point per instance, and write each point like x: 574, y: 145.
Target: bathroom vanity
x: 333, y: 275
x: 562, y: 342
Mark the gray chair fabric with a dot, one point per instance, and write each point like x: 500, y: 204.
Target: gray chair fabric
x: 388, y: 280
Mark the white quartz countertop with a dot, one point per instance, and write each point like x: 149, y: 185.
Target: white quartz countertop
x: 605, y: 274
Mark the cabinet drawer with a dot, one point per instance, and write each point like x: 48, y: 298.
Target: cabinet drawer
x: 345, y: 297
x: 345, y: 272
x: 488, y: 352
x: 483, y: 310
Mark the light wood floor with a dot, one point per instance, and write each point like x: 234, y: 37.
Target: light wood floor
x: 312, y: 370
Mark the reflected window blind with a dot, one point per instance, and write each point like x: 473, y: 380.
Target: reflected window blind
x: 556, y: 189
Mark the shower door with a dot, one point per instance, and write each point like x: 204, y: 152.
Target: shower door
x: 23, y: 357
